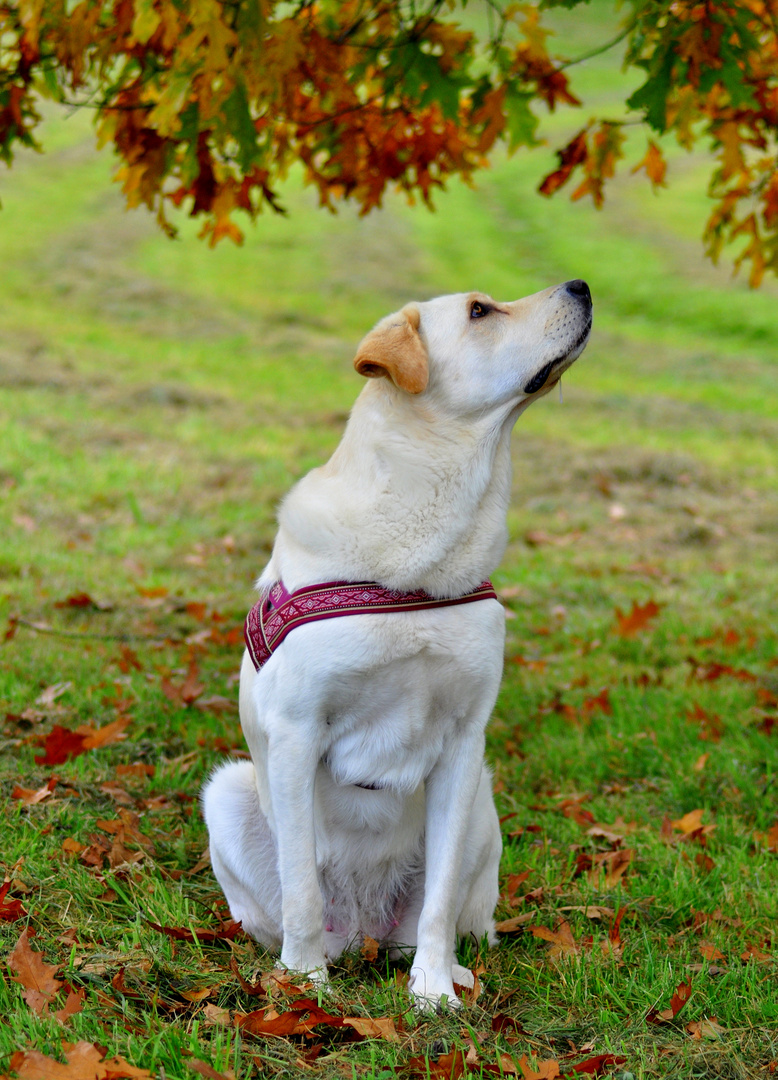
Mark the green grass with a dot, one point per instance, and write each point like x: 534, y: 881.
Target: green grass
x: 157, y: 399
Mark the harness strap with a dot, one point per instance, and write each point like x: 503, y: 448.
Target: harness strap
x: 273, y: 617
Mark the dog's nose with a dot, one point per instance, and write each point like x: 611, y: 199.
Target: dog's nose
x: 579, y: 289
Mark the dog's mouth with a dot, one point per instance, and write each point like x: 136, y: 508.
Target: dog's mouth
x: 539, y: 380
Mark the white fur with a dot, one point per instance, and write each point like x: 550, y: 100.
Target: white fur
x: 415, y: 497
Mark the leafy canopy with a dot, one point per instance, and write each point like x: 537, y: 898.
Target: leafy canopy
x: 209, y: 102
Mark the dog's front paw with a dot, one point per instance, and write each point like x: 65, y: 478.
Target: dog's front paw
x: 312, y: 965
x: 432, y: 991
x: 463, y: 976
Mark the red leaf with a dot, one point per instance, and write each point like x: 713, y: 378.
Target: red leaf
x: 572, y: 155
x: 682, y: 994
x: 10, y: 910
x: 597, y: 1066
x: 228, y: 932
x: 59, y: 745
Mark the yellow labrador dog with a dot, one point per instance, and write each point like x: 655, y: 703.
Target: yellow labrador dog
x: 367, y: 807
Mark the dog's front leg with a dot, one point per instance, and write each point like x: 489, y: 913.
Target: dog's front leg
x: 450, y: 793
x: 292, y: 761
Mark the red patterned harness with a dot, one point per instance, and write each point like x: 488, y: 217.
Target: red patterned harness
x: 272, y: 618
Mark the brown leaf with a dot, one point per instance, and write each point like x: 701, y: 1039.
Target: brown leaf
x: 108, y: 733
x: 753, y: 953
x: 27, y: 797
x: 208, y: 1071
x: 690, y: 825
x: 563, y: 944
x: 705, y: 1029
x: 447, y: 1067
x: 51, y: 693
x: 629, y: 625
x: 138, y: 770
x: 84, y: 1062
x: 74, y: 1003
x: 516, y: 924
x: 546, y: 1070
x: 369, y: 1028
x: 769, y: 839
x: 34, y: 975
x: 186, y: 693
x: 369, y: 950
x: 711, y: 953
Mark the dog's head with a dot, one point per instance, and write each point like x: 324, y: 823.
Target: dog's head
x: 469, y: 352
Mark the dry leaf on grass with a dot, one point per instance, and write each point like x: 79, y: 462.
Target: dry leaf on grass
x: 40, y: 985
x: 84, y: 1061
x: 681, y: 995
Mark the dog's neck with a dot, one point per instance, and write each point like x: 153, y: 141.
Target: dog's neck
x: 409, y: 499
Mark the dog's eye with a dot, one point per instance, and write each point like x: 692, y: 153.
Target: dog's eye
x: 478, y: 310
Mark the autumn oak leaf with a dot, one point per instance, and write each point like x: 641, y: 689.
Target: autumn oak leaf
x: 34, y: 975
x: 629, y: 625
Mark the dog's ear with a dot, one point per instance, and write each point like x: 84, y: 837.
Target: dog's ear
x: 394, y: 349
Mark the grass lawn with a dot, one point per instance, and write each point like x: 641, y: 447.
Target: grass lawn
x: 157, y: 399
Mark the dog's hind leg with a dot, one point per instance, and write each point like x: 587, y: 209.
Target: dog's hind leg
x: 243, y: 851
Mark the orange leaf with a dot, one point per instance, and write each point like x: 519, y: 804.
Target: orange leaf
x: 627, y: 626
x: 654, y: 164
x: 546, y: 1070
x: 27, y: 797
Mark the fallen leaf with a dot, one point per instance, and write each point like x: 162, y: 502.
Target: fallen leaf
x: 516, y: 924
x: 369, y: 950
x: 208, y: 1071
x: 186, y: 693
x: 84, y: 1062
x: 34, y: 975
x: 753, y: 953
x: 629, y: 625
x: 27, y: 797
x: 381, y: 1028
x: 591, y: 911
x: 83, y: 600
x: 563, y: 944
x: 228, y: 932
x: 711, y: 953
x: 769, y: 839
x: 10, y: 910
x: 108, y: 733
x: 692, y: 828
x: 137, y: 769
x: 74, y: 1003
x: 52, y: 693
x: 705, y: 1029
x: 59, y: 745
x: 597, y: 1066
x: 681, y: 995
x: 546, y: 1070
x: 447, y: 1067
x: 214, y: 1016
